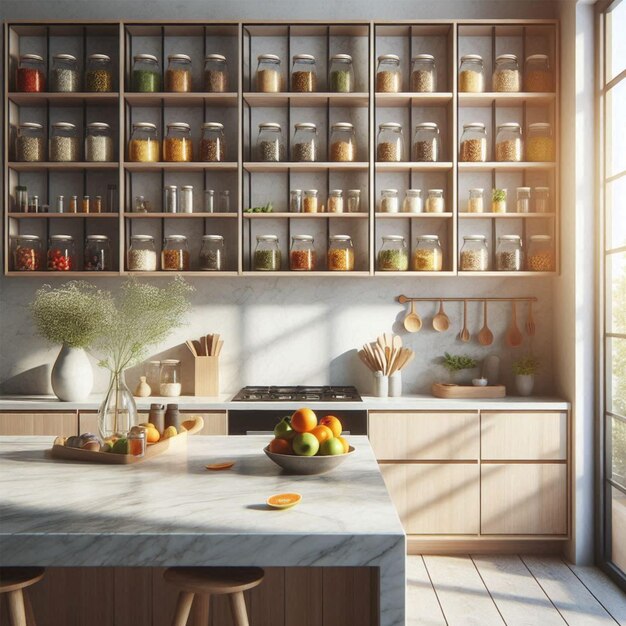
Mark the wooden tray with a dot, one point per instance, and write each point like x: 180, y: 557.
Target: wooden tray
x: 445, y: 390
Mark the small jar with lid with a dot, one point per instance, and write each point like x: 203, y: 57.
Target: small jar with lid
x: 212, y: 253
x: 435, y: 202
x: 473, y: 143
x: 27, y: 253
x: 388, y: 74
x: 215, y: 73
x: 175, y: 254
x: 353, y: 200
x: 146, y: 74
x: 389, y: 201
x: 213, y: 142
x: 61, y: 253
x: 523, y: 200
x: 474, y: 254
x: 310, y: 201
x: 267, y: 257
x: 342, y: 142
x: 390, y: 143
x: 269, y: 78
x: 393, y: 255
x: 185, y: 204
x: 177, y: 146
x: 509, y: 256
x: 542, y: 199
x: 509, y: 142
x: 413, y: 202
x: 64, y: 144
x: 341, y: 74
x: 170, y: 383
x: 141, y: 256
x: 64, y: 76
x: 340, y: 253
x: 97, y: 254
x: 170, y: 199
x: 428, y: 255
x: 302, y: 255
x: 305, y: 143
x: 144, y: 145
x: 540, y: 142
x: 295, y: 201
x: 506, y: 75
x: 423, y: 74
x: 98, y: 143
x: 475, y: 201
x: 471, y: 74
x: 31, y: 74
x: 426, y: 142
x: 335, y: 201
x: 540, y: 254
x: 178, y: 73
x: 270, y: 145
x: 30, y: 143
x: 538, y: 75
x: 303, y: 73
x: 98, y: 76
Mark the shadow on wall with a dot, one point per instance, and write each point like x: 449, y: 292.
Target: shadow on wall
x: 33, y: 381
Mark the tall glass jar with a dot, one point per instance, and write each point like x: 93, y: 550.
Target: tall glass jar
x: 64, y: 76
x: 267, y: 257
x: 270, y: 145
x: 98, y: 142
x: 413, y: 202
x: 542, y: 199
x: 295, y: 201
x: 435, y: 202
x: 390, y: 143
x: 302, y: 255
x: 342, y: 142
x: 303, y: 73
x: 305, y: 143
x: 61, y: 253
x: 213, y: 142
x: 310, y: 203
x: 27, y: 253
x: 393, y: 255
x: 523, y: 200
x: 269, y: 78
x: 423, y: 74
x: 340, y: 253
x: 30, y: 143
x: 540, y: 143
x: 98, y: 76
x: 335, y: 201
x: 175, y: 254
x: 389, y: 202
x: 474, y: 254
x: 141, y: 256
x: 388, y: 74
x: 472, y: 74
x: 506, y: 75
x: 509, y: 257
x: 475, y: 202
x: 170, y: 383
x: 178, y: 73
x: 144, y: 146
x: 97, y: 254
x: 538, y: 75
x: 21, y: 199
x: 186, y: 199
x: 215, y: 73
x: 64, y: 145
x: 146, y: 74
x: 540, y: 254
x: 170, y: 199
x: 426, y: 142
x: 428, y: 255
x: 353, y: 200
x: 473, y: 143
x: 509, y: 142
x: 212, y: 253
x: 341, y: 74
x: 177, y: 146
x: 31, y: 74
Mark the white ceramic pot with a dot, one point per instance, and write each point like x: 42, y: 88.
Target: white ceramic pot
x: 72, y: 376
x: 524, y: 384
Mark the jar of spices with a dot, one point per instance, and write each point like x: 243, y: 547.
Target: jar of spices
x: 178, y: 73
x: 97, y: 257
x: 98, y: 77
x: 340, y: 253
x: 389, y: 202
x: 475, y: 202
x: 73, y: 207
x: 175, y: 254
x: 509, y: 254
x: 144, y: 146
x: 270, y: 145
x: 64, y: 76
x: 412, y: 202
x: 21, y: 198
x: 215, y: 73
x: 268, y: 74
x: 295, y: 201
x: 509, y: 142
x: 540, y: 143
x: 177, y: 146
x: 170, y: 385
x: 170, y: 199
x: 303, y: 74
x: 393, y: 255
x: 142, y: 256
x: 310, y: 202
x: 33, y: 205
x: 426, y: 142
x: 523, y: 200
x: 353, y: 200
x: 423, y: 74
x: 212, y: 253
x: 498, y: 201
x: 27, y: 253
x: 64, y: 145
x: 267, y: 257
x: 390, y: 143
x: 97, y: 205
x: 474, y: 254
x: 342, y: 142
x: 341, y: 74
x: 31, y: 74
x: 540, y: 254
x: 471, y: 74
x: 30, y: 143
x: 212, y: 143
x: 302, y: 256
x: 435, y: 202
x: 305, y: 142
x: 146, y: 74
x: 538, y: 74
x: 542, y: 199
x: 473, y: 143
x: 136, y: 439
x: 506, y: 75
x: 186, y: 199
x: 61, y: 253
x: 98, y: 142
x: 335, y: 201
x: 388, y: 74
x: 86, y: 205
x: 428, y: 255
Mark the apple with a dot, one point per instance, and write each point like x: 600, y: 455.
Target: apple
x: 331, y: 447
x: 306, y: 444
x: 284, y: 430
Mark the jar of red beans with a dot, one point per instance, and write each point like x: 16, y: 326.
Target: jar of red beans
x: 97, y: 257
x: 27, y: 253
x: 302, y: 256
x: 61, y: 253
x: 31, y: 74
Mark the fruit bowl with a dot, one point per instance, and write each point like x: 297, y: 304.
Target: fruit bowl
x: 307, y: 465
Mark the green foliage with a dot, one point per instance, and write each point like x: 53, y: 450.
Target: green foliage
x: 526, y: 366
x: 266, y: 208
x: 456, y: 363
x: 498, y: 195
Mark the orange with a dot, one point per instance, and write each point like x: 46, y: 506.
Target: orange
x: 333, y: 423
x: 346, y: 446
x: 152, y: 434
x: 283, y: 500
x: 303, y: 420
x: 281, y: 446
x: 220, y: 466
x: 322, y: 433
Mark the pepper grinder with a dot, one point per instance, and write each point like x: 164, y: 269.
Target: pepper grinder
x: 172, y: 416
x: 157, y: 417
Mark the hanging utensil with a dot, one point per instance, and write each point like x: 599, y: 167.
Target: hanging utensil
x: 485, y: 336
x: 465, y: 333
x: 513, y: 335
x: 413, y: 322
x: 530, y: 322
x: 441, y: 322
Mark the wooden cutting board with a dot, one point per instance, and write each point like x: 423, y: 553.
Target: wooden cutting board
x: 449, y: 391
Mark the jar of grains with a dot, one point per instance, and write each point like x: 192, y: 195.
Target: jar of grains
x: 295, y: 201
x: 310, y: 201
x: 61, y: 253
x: 538, y: 74
x: 423, y: 73
x: 97, y: 255
x: 473, y: 143
x: 98, y: 76
x: 170, y: 379
x: 412, y: 202
x: 335, y: 201
x: 475, y: 203
x: 267, y: 257
x: 498, y: 201
x: 212, y: 253
x: 509, y: 256
x: 471, y: 74
x: 64, y: 76
x: 144, y: 146
x: 393, y: 255
x: 435, y: 202
x: 523, y: 200
x: 64, y: 145
x: 302, y: 256
x: 268, y: 74
x: 388, y: 74
x: 30, y: 143
x: 540, y: 254
x: 542, y: 199
x: 540, y: 143
x: 342, y: 142
x: 27, y: 253
x: 177, y: 146
x: 389, y: 202
x: 215, y: 73
x: 305, y: 142
x: 427, y: 256
x: 178, y: 73
x: 390, y: 143
x: 212, y: 143
x: 474, y: 254
x: 506, y: 75
x: 31, y: 74
x: 98, y: 142
x: 303, y: 73
x: 340, y: 253
x: 270, y: 146
x: 141, y: 256
x: 341, y: 74
x: 509, y: 142
x: 426, y: 142
x: 146, y: 74
x: 175, y: 254
x: 353, y: 200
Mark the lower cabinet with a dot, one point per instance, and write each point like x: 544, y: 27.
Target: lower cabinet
x: 44, y: 424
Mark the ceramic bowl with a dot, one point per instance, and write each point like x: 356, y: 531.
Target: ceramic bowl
x: 294, y: 464
x: 479, y: 382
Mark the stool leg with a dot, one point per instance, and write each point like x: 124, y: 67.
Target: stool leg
x: 201, y: 609
x: 183, y: 608
x: 238, y: 608
x: 30, y: 615
x: 17, y: 613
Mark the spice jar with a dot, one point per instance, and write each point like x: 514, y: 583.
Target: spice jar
x: 136, y: 438
x: 73, y: 207
x: 170, y: 384
x: 178, y: 73
x: 426, y: 142
x: 33, y: 205
x: 141, y: 256
x: 540, y: 143
x: 538, y: 74
x: 310, y: 202
x: 295, y: 201
x: 302, y: 256
x: 212, y: 253
x: 98, y: 77
x: 212, y: 143
x: 175, y: 254
x: 335, y: 201
x: 30, y: 143
x: 388, y: 74
x: 427, y: 256
x: 177, y: 146
x: 498, y: 201
x: 98, y: 142
x: 342, y: 142
x: 303, y: 73
x: 64, y: 144
x: 97, y: 255
x: 186, y: 199
x: 267, y: 257
x: 215, y: 73
x: 270, y: 146
x: 353, y: 200
x: 144, y: 146
x: 21, y: 198
x: 435, y: 202
x: 64, y: 76
x: 509, y: 254
x: 506, y: 75
x: 471, y: 74
x: 540, y: 254
x: 475, y: 202
x: 61, y: 254
x: 412, y: 202
x: 390, y: 143
x: 341, y: 74
x: 31, y: 74
x: 340, y: 253
x: 268, y: 74
x: 423, y: 74
x: 523, y: 200
x: 393, y: 255
x: 509, y: 142
x: 304, y: 142
x: 170, y: 199
x: 27, y: 253
x: 473, y: 143
x: 542, y: 199
x: 474, y: 254
x: 389, y: 202
x: 146, y: 74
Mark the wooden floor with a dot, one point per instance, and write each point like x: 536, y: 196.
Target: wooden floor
x: 511, y: 591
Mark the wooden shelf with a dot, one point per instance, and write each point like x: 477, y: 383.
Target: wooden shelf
x: 71, y: 166
x: 318, y: 99
x: 414, y: 274
x: 252, y: 216
x: 193, y: 166
x: 414, y: 99
x: 191, y: 273
x: 410, y: 216
x: 63, y: 99
x: 406, y: 166
x: 506, y: 166
x: 182, y: 99
x: 505, y: 99
x: 65, y: 275
x: 179, y: 216
x: 505, y: 216
x: 492, y: 274
x: 284, y: 166
x: 26, y: 216
x: 297, y: 274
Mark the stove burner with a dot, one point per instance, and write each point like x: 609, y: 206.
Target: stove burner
x: 298, y: 393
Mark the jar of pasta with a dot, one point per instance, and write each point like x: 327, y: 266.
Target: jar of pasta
x: 540, y: 254
x: 178, y: 73
x: 538, y: 74
x: 212, y: 253
x: 390, y: 143
x: 335, y: 201
x: 64, y: 75
x: 506, y: 75
x: 141, y: 255
x: 389, y: 202
x: 177, y: 145
x: 341, y: 74
x: 426, y: 142
x: 61, y: 253
x: 388, y: 74
x: 310, y: 201
x: 393, y: 255
x: 509, y: 142
x: 31, y: 74
x: 473, y: 143
x: 99, y: 76
x: 27, y: 253
x: 98, y: 143
x: 212, y: 143
x: 30, y: 143
x: 268, y: 74
x: 215, y: 73
x: 267, y: 257
x: 342, y: 142
x: 144, y: 146
x: 428, y: 255
x: 340, y: 253
x: 509, y: 254
x: 435, y: 202
x: 474, y: 254
x: 423, y: 74
x: 97, y: 254
x: 471, y: 74
x: 305, y: 143
x: 146, y: 74
x: 475, y: 202
x: 303, y: 74
x: 175, y: 254
x: 270, y: 146
x: 540, y: 143
x: 302, y: 256
x: 64, y: 144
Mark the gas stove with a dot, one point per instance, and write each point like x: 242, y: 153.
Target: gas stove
x: 300, y: 393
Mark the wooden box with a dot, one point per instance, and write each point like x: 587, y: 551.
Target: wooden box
x: 206, y: 376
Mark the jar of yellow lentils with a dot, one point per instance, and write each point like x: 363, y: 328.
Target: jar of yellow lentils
x: 177, y: 144
x: 144, y: 146
x: 427, y: 256
x: 540, y: 254
x: 178, y: 73
x: 539, y: 142
x: 340, y: 253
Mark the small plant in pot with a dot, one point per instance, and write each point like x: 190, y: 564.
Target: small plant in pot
x: 498, y: 201
x: 525, y: 369
x: 460, y: 367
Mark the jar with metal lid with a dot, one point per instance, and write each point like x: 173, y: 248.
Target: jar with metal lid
x: 97, y: 256
x: 303, y: 73
x: 412, y: 202
x: 136, y: 439
x: 305, y: 142
x: 423, y: 73
x: 295, y: 201
x: 388, y: 74
x: 473, y: 143
x: 310, y: 203
x: 98, y: 76
x: 393, y: 255
x: 177, y: 146
x: 170, y: 384
x: 342, y: 142
x: 270, y: 146
x: 335, y: 201
x: 509, y: 142
x: 474, y: 254
x: 267, y: 257
x: 389, y: 202
x: 472, y: 74
x: 146, y: 74
x: 141, y: 256
x: 213, y: 142
x: 27, y: 253
x: 353, y: 200
x: 435, y: 202
x: 215, y: 73
x: 64, y: 76
x: 269, y: 78
x: 61, y: 253
x: 506, y: 75
x: 21, y: 198
x: 475, y: 202
x: 31, y: 74
x: 175, y: 254
x: 428, y: 255
x: 178, y: 73
x: 144, y: 146
x: 185, y: 204
x: 212, y: 253
x: 390, y: 143
x: 340, y: 253
x: 98, y: 142
x: 302, y: 255
x: 64, y: 144
x: 538, y: 75
x: 540, y: 254
x: 170, y: 199
x: 341, y: 74
x: 509, y: 256
x: 523, y: 200
x: 540, y: 143
x: 426, y: 142
x: 542, y: 199
x: 30, y: 143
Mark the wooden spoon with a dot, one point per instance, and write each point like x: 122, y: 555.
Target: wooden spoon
x: 513, y: 336
x: 530, y: 322
x: 485, y: 336
x: 413, y: 322
x: 441, y: 322
x: 465, y: 333
x: 397, y: 342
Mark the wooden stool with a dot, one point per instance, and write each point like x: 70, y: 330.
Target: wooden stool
x: 12, y: 581
x: 208, y: 581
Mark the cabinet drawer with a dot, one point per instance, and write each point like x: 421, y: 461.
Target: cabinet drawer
x: 435, y: 498
x: 524, y: 499
x: 424, y: 436
x: 524, y: 436
x: 64, y: 424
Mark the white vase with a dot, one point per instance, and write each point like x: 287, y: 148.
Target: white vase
x: 524, y: 384
x: 72, y: 376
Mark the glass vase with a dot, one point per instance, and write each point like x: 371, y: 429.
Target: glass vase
x: 118, y: 412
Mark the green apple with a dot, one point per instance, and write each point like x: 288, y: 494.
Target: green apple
x: 331, y: 447
x: 306, y: 444
x: 283, y: 429
x: 120, y: 446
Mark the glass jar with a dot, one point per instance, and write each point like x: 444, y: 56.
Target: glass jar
x: 353, y: 200
x: 412, y: 202
x: 341, y: 74
x: 170, y: 383
x: 305, y: 143
x: 215, y: 73
x: 523, y: 200
x: 146, y: 74
x: 136, y: 438
x: 144, y: 146
x: 33, y: 205
x: 388, y: 74
x: 142, y: 256
x: 389, y: 202
x: 97, y: 256
x: 474, y: 254
x: 186, y: 199
x: 64, y: 76
x: 175, y: 254
x: 268, y: 74
x: 303, y: 73
x: 473, y: 143
x: 267, y: 257
x: 302, y: 255
x: 335, y: 201
x: 27, y: 253
x: 540, y: 143
x: 223, y: 203
x: 509, y: 142
x: 212, y: 143
x: 506, y: 75
x: 340, y: 253
x: 542, y: 199
x: 64, y: 145
x: 178, y: 73
x: 30, y: 143
x: 426, y: 142
x: 31, y: 74
x: 509, y: 256
x: 61, y: 253
x: 498, y: 201
x: 170, y: 199
x: 295, y: 201
x: 390, y: 143
x: 209, y: 201
x: 428, y: 255
x: 21, y: 199
x: 471, y: 74
x: 423, y: 74
x: 152, y: 370
x: 540, y: 254
x: 538, y: 74
x: 270, y: 146
x: 393, y: 255
x: 98, y: 142
x: 98, y: 76
x: 177, y: 146
x: 212, y: 253
x: 310, y: 202
x: 475, y: 202
x: 342, y: 142
x: 435, y: 202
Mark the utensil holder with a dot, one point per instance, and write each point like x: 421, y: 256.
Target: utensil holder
x: 395, y: 385
x: 206, y: 376
x: 381, y: 385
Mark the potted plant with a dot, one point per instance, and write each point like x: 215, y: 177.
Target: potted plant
x: 525, y: 369
x: 498, y: 201
x: 458, y: 366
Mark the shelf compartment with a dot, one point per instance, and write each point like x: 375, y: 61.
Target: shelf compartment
x: 22, y: 216
x: 228, y: 99
x: 192, y: 273
x: 257, y: 99
x: 405, y: 166
x: 413, y: 99
x: 283, y: 166
x: 518, y: 99
x: 395, y: 216
x: 315, y: 274
x: 283, y: 214
x: 506, y: 166
x: 492, y: 274
x: 193, y: 166
x: 65, y: 275
x: 63, y: 99
x: 159, y: 215
x: 413, y: 274
x: 510, y: 216
x: 20, y: 166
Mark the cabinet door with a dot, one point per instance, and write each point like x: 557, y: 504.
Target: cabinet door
x: 215, y: 423
x: 53, y: 423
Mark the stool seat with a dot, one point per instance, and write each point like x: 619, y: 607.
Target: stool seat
x: 14, y: 578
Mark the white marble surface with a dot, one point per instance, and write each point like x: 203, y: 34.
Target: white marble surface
x: 171, y: 511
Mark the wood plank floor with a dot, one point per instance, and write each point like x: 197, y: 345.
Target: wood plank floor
x: 509, y: 591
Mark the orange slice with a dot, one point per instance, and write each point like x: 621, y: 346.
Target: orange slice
x: 283, y: 500
x: 216, y: 467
